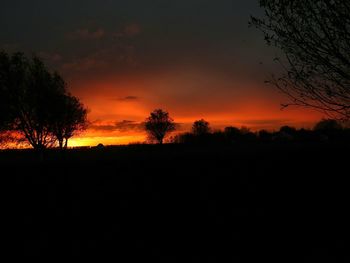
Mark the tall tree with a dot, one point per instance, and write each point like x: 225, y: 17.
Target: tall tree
x: 159, y: 124
x: 31, y: 89
x: 314, y: 36
x: 34, y: 98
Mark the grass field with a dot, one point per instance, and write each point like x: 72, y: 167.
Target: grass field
x: 175, y: 203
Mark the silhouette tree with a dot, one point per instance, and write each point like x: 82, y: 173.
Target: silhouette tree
x: 183, y: 138
x: 232, y: 130
x: 329, y: 130
x: 34, y: 99
x: 288, y: 130
x: 70, y: 118
x: 328, y: 125
x: 265, y: 136
x: 314, y: 37
x: 158, y: 125
x: 247, y: 135
x: 30, y: 90
x: 232, y: 133
x: 244, y: 130
x: 200, y: 127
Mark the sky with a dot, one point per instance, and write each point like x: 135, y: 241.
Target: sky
x: 194, y: 58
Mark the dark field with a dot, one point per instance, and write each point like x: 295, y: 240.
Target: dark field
x: 174, y: 203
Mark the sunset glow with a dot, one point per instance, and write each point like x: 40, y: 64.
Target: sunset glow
x: 117, y: 109
x: 121, y: 65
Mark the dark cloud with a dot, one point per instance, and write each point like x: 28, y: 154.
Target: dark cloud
x: 272, y: 122
x: 91, y: 62
x: 10, y: 47
x: 157, y: 35
x: 130, y: 30
x: 125, y: 31
x: 105, y: 61
x: 105, y: 128
x: 122, y: 126
x: 128, y: 98
x: 86, y: 34
x: 52, y: 57
x: 126, y: 125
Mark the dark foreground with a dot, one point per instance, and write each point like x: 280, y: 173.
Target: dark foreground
x: 281, y: 203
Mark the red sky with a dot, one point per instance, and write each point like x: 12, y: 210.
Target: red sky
x: 123, y: 59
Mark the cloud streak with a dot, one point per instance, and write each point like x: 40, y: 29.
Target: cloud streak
x: 267, y: 122
x: 127, y: 31
x: 52, y: 57
x: 122, y: 126
x: 128, y: 98
x: 86, y: 33
x: 130, y: 30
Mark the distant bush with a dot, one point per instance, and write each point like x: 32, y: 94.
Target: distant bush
x: 100, y: 146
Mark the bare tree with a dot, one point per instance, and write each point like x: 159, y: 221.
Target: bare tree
x: 159, y: 124
x: 314, y: 36
x: 200, y: 127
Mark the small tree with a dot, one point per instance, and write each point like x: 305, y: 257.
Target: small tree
x: 158, y: 125
x: 200, y: 127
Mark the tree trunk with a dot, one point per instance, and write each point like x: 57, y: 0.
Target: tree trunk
x: 40, y: 150
x: 66, y: 144
x: 60, y: 143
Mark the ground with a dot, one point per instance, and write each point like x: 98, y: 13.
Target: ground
x: 175, y: 203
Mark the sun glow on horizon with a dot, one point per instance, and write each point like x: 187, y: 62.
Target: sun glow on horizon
x: 106, y: 140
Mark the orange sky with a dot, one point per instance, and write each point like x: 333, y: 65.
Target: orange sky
x: 118, y: 105
x: 123, y: 59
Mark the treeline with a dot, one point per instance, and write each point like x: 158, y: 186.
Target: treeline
x: 160, y: 125
x: 36, y: 107
x: 326, y: 130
